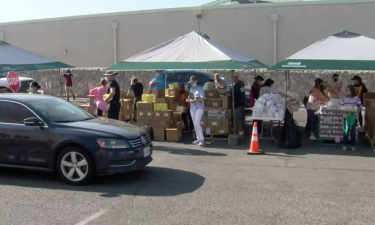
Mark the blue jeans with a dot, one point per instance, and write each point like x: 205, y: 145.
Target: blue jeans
x: 312, y: 120
x: 353, y: 133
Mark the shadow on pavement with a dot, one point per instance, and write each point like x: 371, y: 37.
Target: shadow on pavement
x: 151, y: 181
x: 184, y: 151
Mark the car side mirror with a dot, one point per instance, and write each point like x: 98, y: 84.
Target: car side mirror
x: 33, y: 121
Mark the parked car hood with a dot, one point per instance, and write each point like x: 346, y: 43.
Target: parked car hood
x: 99, y: 125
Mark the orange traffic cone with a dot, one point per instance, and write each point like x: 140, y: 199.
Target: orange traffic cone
x: 254, y: 147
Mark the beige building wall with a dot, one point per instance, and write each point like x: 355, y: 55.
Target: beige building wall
x: 88, y: 41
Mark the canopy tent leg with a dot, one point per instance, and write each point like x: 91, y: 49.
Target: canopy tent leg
x: 234, y: 114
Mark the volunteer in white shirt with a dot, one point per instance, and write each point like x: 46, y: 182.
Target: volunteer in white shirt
x: 196, y: 100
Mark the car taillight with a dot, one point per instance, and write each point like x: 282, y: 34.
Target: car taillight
x: 152, y: 83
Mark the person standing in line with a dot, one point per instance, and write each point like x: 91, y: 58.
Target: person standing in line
x: 182, y: 96
x: 99, y: 92
x: 254, y: 95
x: 136, y: 90
x: 239, y: 103
x: 69, y: 83
x: 196, y: 100
x: 113, y: 99
x: 360, y: 89
x: 334, y: 88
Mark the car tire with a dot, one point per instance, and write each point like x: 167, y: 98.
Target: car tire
x: 75, y: 166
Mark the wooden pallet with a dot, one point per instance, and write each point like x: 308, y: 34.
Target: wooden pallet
x: 322, y: 142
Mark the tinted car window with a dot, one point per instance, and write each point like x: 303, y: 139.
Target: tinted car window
x: 59, y: 111
x: 172, y: 77
x: 178, y: 77
x: 13, y: 113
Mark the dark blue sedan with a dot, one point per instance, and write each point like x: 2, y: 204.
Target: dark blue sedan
x: 39, y: 132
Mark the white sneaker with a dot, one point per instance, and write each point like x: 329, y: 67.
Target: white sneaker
x: 196, y: 142
x: 312, y: 137
x: 202, y: 143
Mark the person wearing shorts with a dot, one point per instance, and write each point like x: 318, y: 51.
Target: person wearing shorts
x: 239, y: 103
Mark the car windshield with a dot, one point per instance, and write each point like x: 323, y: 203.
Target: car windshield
x: 59, y: 111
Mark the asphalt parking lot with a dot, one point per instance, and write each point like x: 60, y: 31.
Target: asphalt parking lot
x: 217, y: 184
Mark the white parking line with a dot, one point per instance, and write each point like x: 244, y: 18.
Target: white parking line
x: 93, y: 217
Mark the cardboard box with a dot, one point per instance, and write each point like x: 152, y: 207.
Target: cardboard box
x: 146, y: 91
x: 204, y: 122
x: 158, y: 131
x: 155, y: 92
x: 91, y: 100
x: 161, y: 93
x: 141, y: 115
x: 226, y: 127
x: 214, y: 103
x: 226, y: 102
x: 213, y: 122
x: 173, y: 107
x: 171, y: 92
x: 144, y: 106
x: 181, y: 109
x: 160, y: 100
x: 174, y: 134
x: 211, y: 94
x: 89, y: 109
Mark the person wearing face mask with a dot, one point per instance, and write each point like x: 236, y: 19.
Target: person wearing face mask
x: 196, y: 100
x: 334, y: 88
x: 360, y: 89
x: 255, y: 90
x: 351, y: 118
x: 113, y: 99
x: 182, y: 97
x: 316, y: 99
x: 34, y: 87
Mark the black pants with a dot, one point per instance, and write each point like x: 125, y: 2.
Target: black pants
x: 353, y: 133
x: 100, y: 112
x: 114, y: 110
x: 186, y: 121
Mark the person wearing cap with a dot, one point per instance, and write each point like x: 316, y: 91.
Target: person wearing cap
x: 316, y: 99
x: 34, y: 87
x: 137, y: 91
x: 360, y: 89
x: 196, y: 100
x: 239, y: 103
x: 69, y: 83
x: 113, y: 99
x: 221, y: 84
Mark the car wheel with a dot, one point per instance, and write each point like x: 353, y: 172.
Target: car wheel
x: 75, y: 166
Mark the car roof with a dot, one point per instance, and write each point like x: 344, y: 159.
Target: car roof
x: 23, y: 98
x: 191, y: 71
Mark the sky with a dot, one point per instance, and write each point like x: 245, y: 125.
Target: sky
x: 19, y: 10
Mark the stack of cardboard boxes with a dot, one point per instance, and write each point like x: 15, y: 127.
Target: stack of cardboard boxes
x: 218, y: 115
x: 369, y: 119
x: 160, y: 115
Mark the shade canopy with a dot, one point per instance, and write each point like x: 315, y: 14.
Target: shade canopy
x: 16, y: 59
x: 190, y: 51
x: 342, y: 51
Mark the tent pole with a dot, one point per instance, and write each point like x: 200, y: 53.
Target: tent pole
x: 286, y: 81
x: 234, y: 115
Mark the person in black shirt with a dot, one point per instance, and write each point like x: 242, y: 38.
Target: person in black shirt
x: 137, y: 90
x: 239, y: 103
x: 113, y: 100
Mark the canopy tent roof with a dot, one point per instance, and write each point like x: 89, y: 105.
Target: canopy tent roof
x: 190, y: 51
x: 16, y: 59
x: 342, y: 51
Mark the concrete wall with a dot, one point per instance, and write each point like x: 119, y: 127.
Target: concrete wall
x: 247, y: 29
